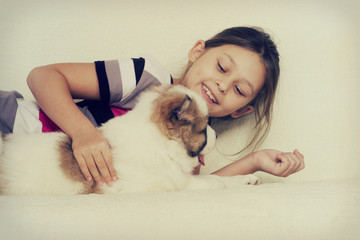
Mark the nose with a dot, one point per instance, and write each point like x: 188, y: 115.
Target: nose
x: 222, y: 86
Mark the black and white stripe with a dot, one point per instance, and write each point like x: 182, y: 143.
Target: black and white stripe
x: 120, y: 83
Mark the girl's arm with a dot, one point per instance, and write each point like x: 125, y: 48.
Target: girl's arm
x: 278, y: 163
x: 54, y: 87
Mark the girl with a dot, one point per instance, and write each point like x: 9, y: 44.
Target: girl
x: 236, y: 72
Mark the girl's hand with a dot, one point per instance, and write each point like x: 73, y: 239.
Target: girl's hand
x: 278, y: 163
x: 93, y: 155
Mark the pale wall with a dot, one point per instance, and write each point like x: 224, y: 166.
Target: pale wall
x: 317, y: 108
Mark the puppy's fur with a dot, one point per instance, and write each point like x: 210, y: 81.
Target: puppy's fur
x: 155, y: 147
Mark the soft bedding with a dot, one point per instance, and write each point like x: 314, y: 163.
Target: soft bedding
x: 328, y: 209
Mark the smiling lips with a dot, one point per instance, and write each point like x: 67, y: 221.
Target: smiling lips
x: 206, y: 91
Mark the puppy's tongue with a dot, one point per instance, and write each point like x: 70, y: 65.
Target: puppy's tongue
x: 202, y: 160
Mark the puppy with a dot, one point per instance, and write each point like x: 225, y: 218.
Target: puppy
x: 155, y: 147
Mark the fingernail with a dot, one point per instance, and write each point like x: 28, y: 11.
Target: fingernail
x: 109, y: 184
x: 115, y: 178
x: 100, y: 183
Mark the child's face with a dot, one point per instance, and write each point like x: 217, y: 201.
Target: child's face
x: 227, y: 77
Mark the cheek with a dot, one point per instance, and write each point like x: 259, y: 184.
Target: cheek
x: 191, y: 82
x: 188, y: 80
x: 224, y: 109
x: 198, y: 72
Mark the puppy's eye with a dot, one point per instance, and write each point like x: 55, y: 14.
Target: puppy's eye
x: 185, y: 122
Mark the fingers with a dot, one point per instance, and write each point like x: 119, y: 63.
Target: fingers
x: 301, y: 159
x: 100, y: 166
x: 93, y: 154
x: 104, y: 164
x: 91, y: 164
x: 83, y: 166
x: 97, y: 165
x: 289, y: 163
x: 107, y: 156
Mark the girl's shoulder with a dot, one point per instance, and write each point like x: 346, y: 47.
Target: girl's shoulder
x: 153, y: 67
x: 121, y: 80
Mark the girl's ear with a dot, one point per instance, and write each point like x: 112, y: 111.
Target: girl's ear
x: 242, y: 111
x: 196, y: 51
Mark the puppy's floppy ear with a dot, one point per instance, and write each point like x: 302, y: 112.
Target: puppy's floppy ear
x: 180, y: 111
x: 173, y: 111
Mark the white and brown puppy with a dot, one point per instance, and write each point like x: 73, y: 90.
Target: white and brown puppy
x: 155, y: 147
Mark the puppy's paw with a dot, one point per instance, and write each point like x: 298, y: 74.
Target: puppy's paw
x: 252, y: 179
x: 240, y: 180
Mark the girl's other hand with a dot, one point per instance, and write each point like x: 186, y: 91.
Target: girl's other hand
x: 93, y: 155
x: 278, y: 163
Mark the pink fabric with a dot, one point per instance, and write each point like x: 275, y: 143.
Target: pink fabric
x: 118, y: 111
x: 49, y: 126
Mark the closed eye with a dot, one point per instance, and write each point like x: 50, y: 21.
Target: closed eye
x: 221, y: 68
x: 239, y: 91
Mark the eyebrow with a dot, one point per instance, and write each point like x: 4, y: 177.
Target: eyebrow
x: 246, y: 81
x: 231, y: 59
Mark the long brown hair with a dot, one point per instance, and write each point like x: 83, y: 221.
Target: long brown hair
x: 256, y: 40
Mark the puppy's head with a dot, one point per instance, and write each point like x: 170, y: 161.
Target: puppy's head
x: 181, y: 115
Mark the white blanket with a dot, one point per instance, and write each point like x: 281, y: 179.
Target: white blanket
x: 302, y: 210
